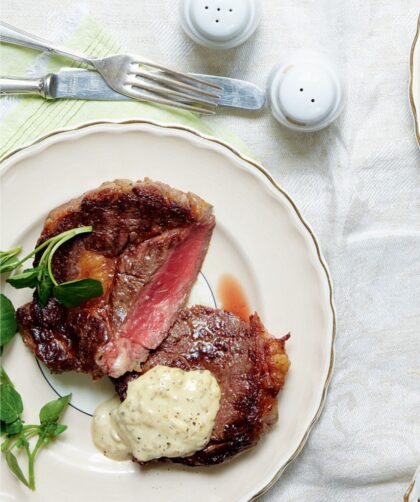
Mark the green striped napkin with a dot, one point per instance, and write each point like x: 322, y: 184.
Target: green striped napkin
x: 28, y: 118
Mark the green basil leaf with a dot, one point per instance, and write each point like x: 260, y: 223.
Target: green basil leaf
x: 9, y: 260
x: 44, y: 289
x: 8, y: 324
x: 52, y: 411
x: 73, y: 293
x: 58, y: 429
x: 10, y: 403
x: 27, y: 279
x: 4, y: 377
x: 22, y: 442
x: 14, y: 467
x: 14, y: 428
x: 52, y: 430
x: 8, y: 264
x: 3, y: 426
x: 11, y: 252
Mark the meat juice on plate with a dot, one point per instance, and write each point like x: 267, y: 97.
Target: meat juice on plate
x: 233, y: 297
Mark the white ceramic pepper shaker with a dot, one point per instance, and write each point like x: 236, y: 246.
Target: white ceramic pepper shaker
x: 305, y: 92
x: 220, y: 24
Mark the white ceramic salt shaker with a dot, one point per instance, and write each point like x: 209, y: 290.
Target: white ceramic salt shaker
x: 220, y: 24
x: 305, y: 91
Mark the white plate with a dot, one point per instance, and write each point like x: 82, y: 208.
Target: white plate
x: 260, y: 238
x: 415, y: 80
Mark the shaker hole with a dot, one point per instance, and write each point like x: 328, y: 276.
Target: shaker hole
x: 312, y: 101
x: 230, y: 10
x: 301, y: 90
x: 217, y: 20
x: 206, y: 7
x: 218, y: 9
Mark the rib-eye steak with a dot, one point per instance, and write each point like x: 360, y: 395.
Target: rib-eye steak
x: 147, y: 247
x: 249, y: 365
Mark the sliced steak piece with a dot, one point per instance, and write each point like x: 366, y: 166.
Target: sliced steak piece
x: 147, y: 247
x: 249, y: 365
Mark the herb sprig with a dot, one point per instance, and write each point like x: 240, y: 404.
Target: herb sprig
x: 41, y: 277
x: 29, y: 439
x: 19, y: 435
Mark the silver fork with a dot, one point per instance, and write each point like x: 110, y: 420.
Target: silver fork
x: 133, y: 76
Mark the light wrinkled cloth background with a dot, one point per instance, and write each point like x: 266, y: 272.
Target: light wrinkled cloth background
x: 358, y: 185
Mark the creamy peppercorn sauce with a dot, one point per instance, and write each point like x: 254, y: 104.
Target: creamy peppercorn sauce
x: 168, y: 412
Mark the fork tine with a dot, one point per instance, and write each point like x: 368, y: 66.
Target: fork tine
x: 166, y: 91
x: 160, y: 78
x: 134, y: 93
x: 179, y: 74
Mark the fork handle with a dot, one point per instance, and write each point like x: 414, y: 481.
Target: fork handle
x: 12, y: 35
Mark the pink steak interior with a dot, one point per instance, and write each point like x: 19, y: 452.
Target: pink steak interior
x: 158, y: 304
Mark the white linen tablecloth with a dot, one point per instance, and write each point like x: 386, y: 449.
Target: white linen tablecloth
x: 358, y: 185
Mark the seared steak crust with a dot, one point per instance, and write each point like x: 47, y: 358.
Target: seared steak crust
x: 137, y: 229
x: 123, y: 212
x: 249, y: 365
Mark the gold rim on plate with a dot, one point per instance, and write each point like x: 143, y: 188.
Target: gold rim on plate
x: 411, y: 94
x: 260, y: 168
x: 409, y: 490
